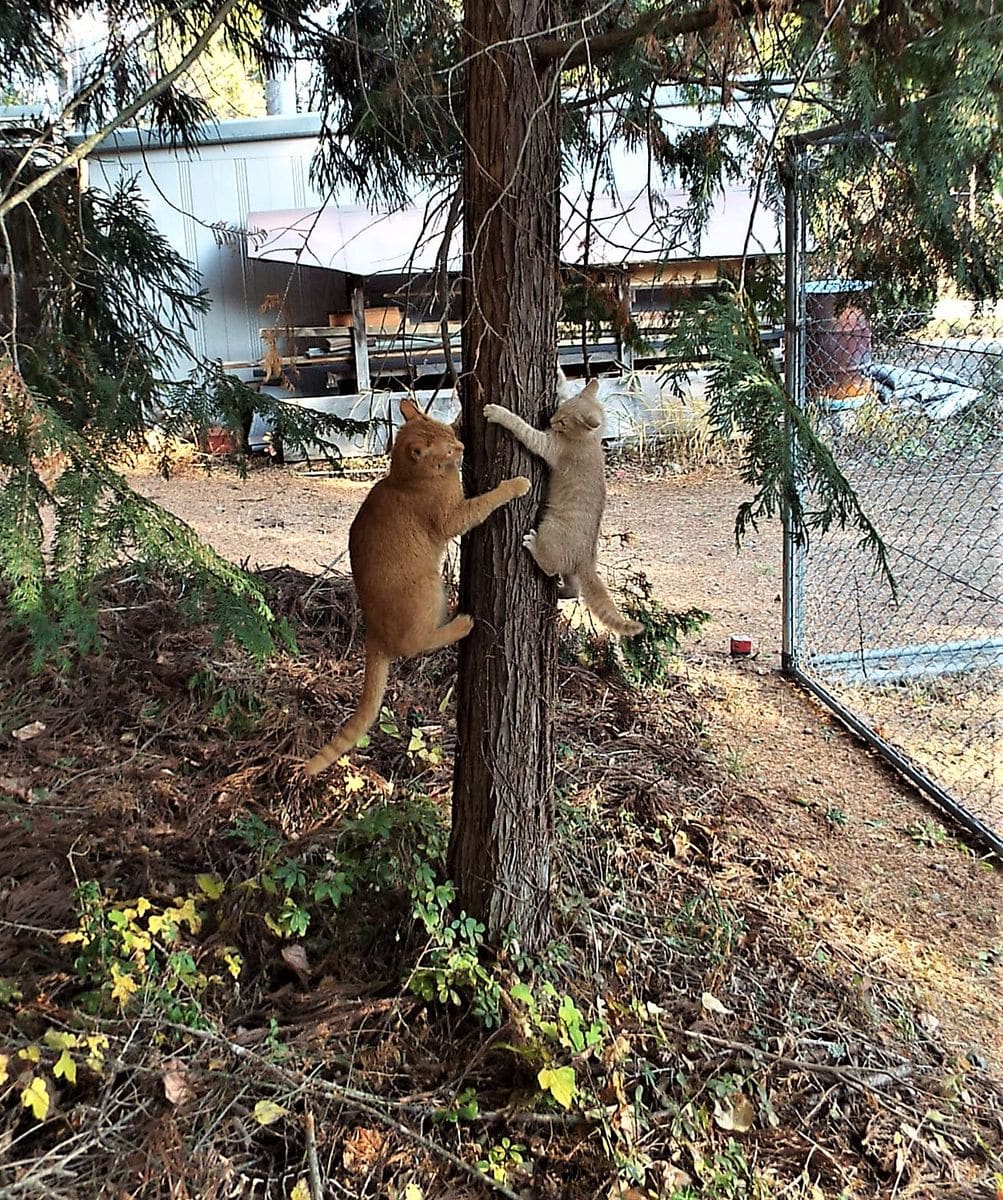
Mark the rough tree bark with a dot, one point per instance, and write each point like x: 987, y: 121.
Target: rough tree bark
x: 499, y: 852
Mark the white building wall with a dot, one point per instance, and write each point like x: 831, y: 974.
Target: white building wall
x: 237, y: 167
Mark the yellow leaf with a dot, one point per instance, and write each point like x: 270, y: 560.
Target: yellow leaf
x: 97, y: 1044
x: 36, y: 1097
x: 233, y: 960
x: 124, y: 986
x: 301, y: 1191
x: 354, y: 783
x: 4, y: 1060
x: 57, y: 1039
x: 413, y: 1192
x: 65, y: 1067
x: 212, y: 885
x: 30, y: 1053
x: 143, y: 906
x: 266, y: 1112
x: 560, y: 1082
x: 187, y: 913
x: 68, y: 939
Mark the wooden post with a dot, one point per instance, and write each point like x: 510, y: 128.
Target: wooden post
x: 360, y: 345
x: 624, y: 352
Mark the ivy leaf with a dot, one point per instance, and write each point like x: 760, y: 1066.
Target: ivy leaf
x: 65, y: 1067
x: 301, y: 1191
x: 36, y: 1097
x: 57, y: 1039
x: 267, y: 1112
x: 212, y: 885
x: 560, y: 1083
x: 124, y: 986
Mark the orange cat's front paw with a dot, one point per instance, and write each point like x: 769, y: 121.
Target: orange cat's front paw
x: 519, y: 486
x: 465, y: 622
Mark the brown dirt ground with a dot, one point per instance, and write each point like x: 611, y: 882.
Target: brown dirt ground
x: 926, y: 914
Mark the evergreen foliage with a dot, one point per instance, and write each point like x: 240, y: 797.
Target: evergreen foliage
x: 93, y: 352
x: 95, y: 304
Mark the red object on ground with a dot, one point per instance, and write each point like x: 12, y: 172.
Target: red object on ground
x: 741, y: 645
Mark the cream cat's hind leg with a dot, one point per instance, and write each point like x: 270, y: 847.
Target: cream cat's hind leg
x: 538, y: 550
x: 568, y: 587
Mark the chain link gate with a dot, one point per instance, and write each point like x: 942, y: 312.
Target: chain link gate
x: 910, y: 405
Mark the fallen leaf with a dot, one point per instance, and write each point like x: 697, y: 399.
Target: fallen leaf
x: 295, y: 958
x: 672, y: 1179
x: 267, y: 1112
x: 364, y: 1147
x: 735, y: 1114
x: 27, y: 732
x: 301, y: 1191
x: 712, y: 1004
x: 19, y: 787
x: 177, y: 1088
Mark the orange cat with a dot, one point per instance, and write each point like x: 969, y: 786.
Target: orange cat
x: 397, y: 544
x: 566, y: 541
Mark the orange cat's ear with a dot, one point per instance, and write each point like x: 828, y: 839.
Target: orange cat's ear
x: 410, y: 411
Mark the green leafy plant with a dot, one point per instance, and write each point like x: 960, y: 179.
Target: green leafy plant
x: 647, y: 658
x: 128, y: 948
x: 502, y: 1160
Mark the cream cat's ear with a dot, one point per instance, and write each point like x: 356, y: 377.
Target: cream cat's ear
x: 410, y: 411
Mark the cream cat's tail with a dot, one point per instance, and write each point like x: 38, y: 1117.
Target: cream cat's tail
x: 377, y: 673
x: 601, y: 606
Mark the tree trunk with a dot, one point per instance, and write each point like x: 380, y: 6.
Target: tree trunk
x: 499, y: 851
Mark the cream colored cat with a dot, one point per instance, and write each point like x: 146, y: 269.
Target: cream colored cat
x: 397, y: 544
x: 567, y: 538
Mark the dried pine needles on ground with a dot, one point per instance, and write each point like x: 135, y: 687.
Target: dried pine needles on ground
x: 219, y: 980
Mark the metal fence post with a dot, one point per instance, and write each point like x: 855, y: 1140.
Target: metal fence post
x: 794, y: 378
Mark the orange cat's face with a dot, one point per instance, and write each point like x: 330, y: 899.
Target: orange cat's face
x: 423, y: 446
x: 580, y: 416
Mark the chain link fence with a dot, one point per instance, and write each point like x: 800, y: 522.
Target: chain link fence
x: 910, y: 404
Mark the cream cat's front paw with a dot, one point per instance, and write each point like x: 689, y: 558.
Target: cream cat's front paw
x: 520, y: 485
x: 493, y: 413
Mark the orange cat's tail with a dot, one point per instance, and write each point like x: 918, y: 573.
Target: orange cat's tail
x: 377, y: 672
x: 601, y: 606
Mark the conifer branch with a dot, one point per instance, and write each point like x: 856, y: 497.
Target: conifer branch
x: 661, y: 22
x: 80, y: 152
